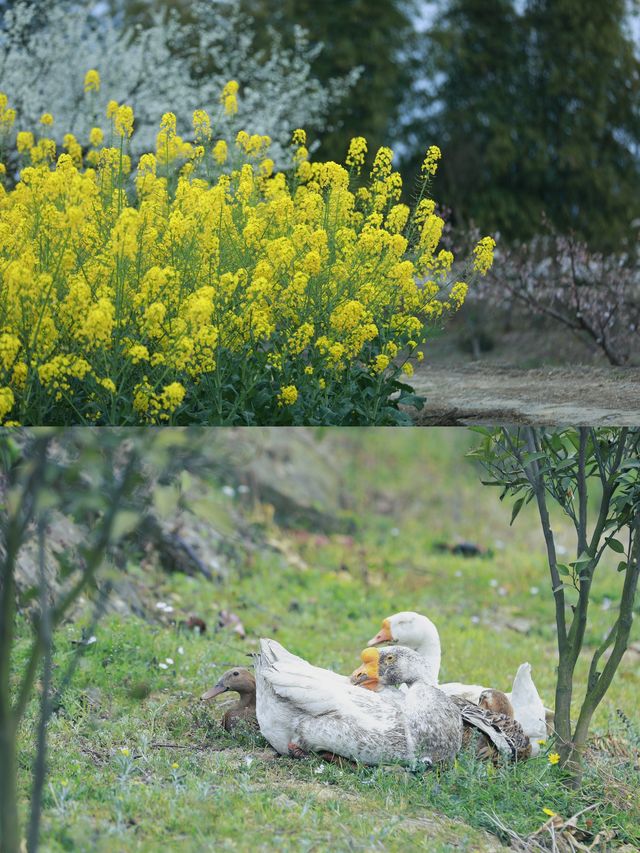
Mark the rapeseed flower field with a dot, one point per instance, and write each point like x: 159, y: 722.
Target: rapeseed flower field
x: 205, y: 286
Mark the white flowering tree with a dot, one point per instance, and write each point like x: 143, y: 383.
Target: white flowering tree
x: 45, y: 53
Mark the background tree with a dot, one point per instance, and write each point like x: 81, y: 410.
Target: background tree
x: 594, y: 477
x: 536, y: 111
x: 373, y: 35
x: 585, y: 102
x: 469, y: 75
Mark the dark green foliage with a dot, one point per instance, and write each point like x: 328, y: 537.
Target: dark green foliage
x: 371, y: 34
x: 536, y: 113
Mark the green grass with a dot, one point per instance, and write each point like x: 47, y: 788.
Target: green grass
x: 406, y: 492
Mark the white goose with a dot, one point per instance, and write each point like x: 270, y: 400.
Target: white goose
x: 419, y: 633
x: 302, y: 708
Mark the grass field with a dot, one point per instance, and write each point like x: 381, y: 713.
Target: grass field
x: 138, y: 763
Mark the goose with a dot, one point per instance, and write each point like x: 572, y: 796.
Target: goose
x: 241, y: 681
x: 419, y: 633
x: 302, y: 708
x: 488, y: 726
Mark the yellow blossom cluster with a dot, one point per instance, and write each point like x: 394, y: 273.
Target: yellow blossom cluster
x: 483, y: 255
x: 203, y: 285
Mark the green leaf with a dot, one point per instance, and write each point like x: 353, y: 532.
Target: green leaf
x: 516, y: 509
x: 124, y: 523
x: 622, y: 566
x: 165, y: 500
x: 616, y: 545
x: 533, y: 457
x: 563, y: 569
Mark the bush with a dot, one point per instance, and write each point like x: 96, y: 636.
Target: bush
x: 212, y: 288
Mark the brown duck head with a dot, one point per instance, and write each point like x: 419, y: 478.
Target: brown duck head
x: 237, y: 680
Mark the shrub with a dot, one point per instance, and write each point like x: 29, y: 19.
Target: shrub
x: 212, y: 288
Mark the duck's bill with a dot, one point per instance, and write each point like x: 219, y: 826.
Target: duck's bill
x: 383, y: 636
x: 211, y: 694
x: 362, y: 677
x: 359, y: 675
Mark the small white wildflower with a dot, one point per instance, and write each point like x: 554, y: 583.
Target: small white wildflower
x: 248, y: 760
x: 163, y: 666
x: 395, y: 531
x: 493, y: 583
x: 243, y: 490
x: 180, y: 650
x: 160, y: 605
x: 534, y: 590
x: 502, y: 591
x: 229, y: 491
x: 319, y: 769
x: 169, y: 661
x: 168, y: 609
x: 92, y: 639
x: 475, y: 620
x: 458, y: 574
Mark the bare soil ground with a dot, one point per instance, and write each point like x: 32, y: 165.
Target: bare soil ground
x: 485, y: 393
x: 534, y: 372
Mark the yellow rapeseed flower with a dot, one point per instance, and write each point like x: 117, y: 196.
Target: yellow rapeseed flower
x: 553, y: 758
x: 430, y: 163
x: 483, y: 255
x: 96, y: 137
x: 357, y: 152
x: 46, y: 119
x: 24, y: 141
x: 7, y: 114
x: 202, y: 125
x: 299, y: 137
x: 7, y: 401
x: 229, y: 99
x: 204, y: 265
x: 288, y: 395
x: 124, y: 121
x: 92, y: 81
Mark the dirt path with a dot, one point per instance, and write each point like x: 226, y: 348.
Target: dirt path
x: 484, y: 393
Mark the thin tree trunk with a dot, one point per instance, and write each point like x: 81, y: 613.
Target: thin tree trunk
x: 40, y: 762
x: 9, y: 828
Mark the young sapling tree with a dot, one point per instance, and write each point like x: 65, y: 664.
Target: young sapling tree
x: 593, y: 475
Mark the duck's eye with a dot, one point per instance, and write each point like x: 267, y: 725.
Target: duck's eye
x: 389, y: 658
x: 235, y: 672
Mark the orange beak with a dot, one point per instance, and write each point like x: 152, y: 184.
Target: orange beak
x: 367, y: 674
x: 211, y: 694
x: 383, y: 635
